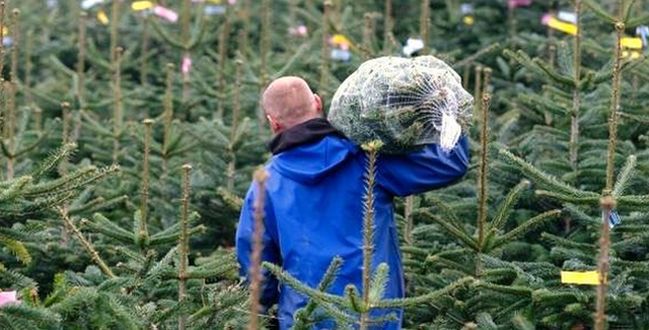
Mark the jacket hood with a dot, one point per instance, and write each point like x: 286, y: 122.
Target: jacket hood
x: 311, y: 162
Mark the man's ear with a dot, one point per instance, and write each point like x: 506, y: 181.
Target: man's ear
x: 318, y: 103
x: 274, y: 125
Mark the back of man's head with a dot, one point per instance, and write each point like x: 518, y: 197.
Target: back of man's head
x: 288, y: 101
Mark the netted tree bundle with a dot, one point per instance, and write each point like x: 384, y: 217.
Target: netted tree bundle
x: 403, y: 102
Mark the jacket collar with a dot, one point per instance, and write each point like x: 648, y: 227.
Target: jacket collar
x: 309, y: 131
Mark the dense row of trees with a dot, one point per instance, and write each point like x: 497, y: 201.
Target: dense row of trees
x: 129, y: 138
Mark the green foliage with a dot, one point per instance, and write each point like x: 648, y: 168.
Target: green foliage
x: 548, y: 120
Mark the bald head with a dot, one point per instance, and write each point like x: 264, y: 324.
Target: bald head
x: 289, y: 101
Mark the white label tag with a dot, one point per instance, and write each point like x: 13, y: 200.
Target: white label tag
x: 567, y: 16
x: 450, y: 132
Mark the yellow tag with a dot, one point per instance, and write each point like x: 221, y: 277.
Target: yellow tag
x: 5, y: 31
x: 588, y: 278
x: 215, y: 1
x: 102, y: 17
x: 468, y: 20
x: 568, y: 28
x: 631, y: 54
x: 631, y: 43
x: 141, y: 5
x: 339, y: 39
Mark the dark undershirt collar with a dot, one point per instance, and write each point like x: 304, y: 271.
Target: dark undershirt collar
x: 307, y: 132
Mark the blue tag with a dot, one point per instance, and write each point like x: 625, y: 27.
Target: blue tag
x: 340, y: 54
x: 214, y: 10
x: 614, y: 219
x: 466, y: 8
x: 642, y: 31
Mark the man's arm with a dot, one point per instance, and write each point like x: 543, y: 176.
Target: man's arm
x: 423, y: 170
x: 270, y: 252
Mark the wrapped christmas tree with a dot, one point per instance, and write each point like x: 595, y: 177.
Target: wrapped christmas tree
x: 403, y: 102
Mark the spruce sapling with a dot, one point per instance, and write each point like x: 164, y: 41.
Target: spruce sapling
x: 234, y: 127
x: 81, y: 61
x: 372, y: 150
x: 387, y: 27
x: 424, y: 25
x: 324, y: 53
x: 224, y: 35
x: 608, y: 201
x: 118, y: 111
x: 256, y: 276
x: 85, y: 243
x: 183, y: 244
x: 576, y: 93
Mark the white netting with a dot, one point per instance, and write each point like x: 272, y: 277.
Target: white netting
x: 403, y: 102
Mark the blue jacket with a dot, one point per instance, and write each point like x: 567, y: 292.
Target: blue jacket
x: 314, y: 211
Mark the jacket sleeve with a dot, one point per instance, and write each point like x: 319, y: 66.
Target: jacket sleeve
x: 423, y: 170
x: 270, y: 252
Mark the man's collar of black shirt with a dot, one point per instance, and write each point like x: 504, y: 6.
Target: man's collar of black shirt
x: 307, y: 132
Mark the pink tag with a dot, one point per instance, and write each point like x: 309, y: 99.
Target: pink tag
x: 519, y: 3
x: 545, y: 19
x: 298, y: 31
x: 232, y: 2
x: 302, y: 30
x: 166, y: 13
x: 186, y: 65
x: 8, y: 297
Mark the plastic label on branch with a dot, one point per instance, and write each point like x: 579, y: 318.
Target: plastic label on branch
x: 559, y: 25
x: 215, y: 7
x: 166, y: 13
x: 147, y: 7
x: 466, y: 9
x: 102, y: 17
x: 586, y: 278
x: 412, y: 46
x: 6, y: 38
x: 518, y: 3
x: 218, y: 2
x: 631, y: 43
x: 614, y: 219
x: 87, y: 4
x: 299, y: 31
x: 340, y: 51
x: 142, y: 5
x: 567, y: 16
x: 342, y: 55
x: 642, y: 31
x: 8, y: 297
x: 186, y: 65
x: 211, y: 10
x: 340, y: 40
x: 631, y: 48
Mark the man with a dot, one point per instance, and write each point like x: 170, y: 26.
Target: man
x: 314, y: 201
